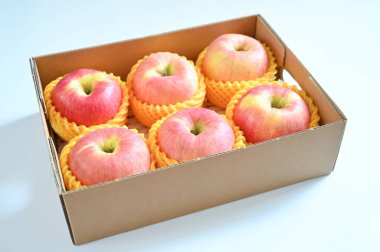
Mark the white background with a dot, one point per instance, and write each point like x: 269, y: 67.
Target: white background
x: 337, y: 40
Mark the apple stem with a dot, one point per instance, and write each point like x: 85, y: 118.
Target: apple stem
x: 109, y: 145
x: 278, y: 102
x: 168, y: 70
x: 197, y: 128
x: 108, y: 149
x: 195, y: 131
x: 240, y: 48
x: 87, y: 87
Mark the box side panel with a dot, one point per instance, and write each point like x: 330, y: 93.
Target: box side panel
x: 266, y: 34
x: 41, y: 105
x: 286, y: 59
x: 175, y: 191
x: 328, y: 111
x: 37, y: 86
x: 120, y: 57
x: 49, y: 141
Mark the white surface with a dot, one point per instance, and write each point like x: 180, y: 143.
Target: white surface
x: 337, y: 41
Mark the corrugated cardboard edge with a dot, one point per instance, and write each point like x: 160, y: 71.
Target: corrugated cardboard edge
x: 37, y: 85
x: 52, y: 151
x: 53, y: 156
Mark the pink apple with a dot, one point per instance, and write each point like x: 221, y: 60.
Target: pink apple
x: 266, y: 112
x: 195, y: 132
x: 87, y: 97
x: 107, y: 154
x: 235, y: 57
x: 164, y: 78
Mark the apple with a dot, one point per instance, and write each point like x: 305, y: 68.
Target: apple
x: 195, y: 132
x: 266, y: 112
x: 107, y: 154
x: 87, y: 97
x: 164, y: 78
x: 235, y: 57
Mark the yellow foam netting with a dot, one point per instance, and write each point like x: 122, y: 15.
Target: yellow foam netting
x: 66, y: 129
x: 69, y: 179
x: 163, y: 160
x: 148, y: 114
x: 220, y: 93
x: 314, y: 116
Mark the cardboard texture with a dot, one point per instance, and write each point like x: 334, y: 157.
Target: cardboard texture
x: 114, y: 207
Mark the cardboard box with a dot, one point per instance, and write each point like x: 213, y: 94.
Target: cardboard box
x: 114, y: 207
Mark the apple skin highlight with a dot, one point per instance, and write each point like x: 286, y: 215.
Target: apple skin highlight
x: 107, y: 154
x: 267, y: 112
x: 165, y: 78
x: 193, y: 133
x: 235, y: 57
x: 87, y: 97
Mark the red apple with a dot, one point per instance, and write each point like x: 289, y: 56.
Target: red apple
x: 266, y: 112
x: 195, y: 132
x: 87, y: 97
x: 235, y: 57
x: 107, y: 154
x: 164, y: 78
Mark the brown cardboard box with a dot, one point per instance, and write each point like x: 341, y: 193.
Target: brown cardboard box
x: 114, y: 207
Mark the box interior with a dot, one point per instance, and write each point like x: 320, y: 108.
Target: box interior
x: 118, y: 58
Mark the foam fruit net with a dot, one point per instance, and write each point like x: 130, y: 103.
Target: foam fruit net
x: 66, y: 129
x: 220, y: 93
x: 147, y: 114
x: 71, y: 182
